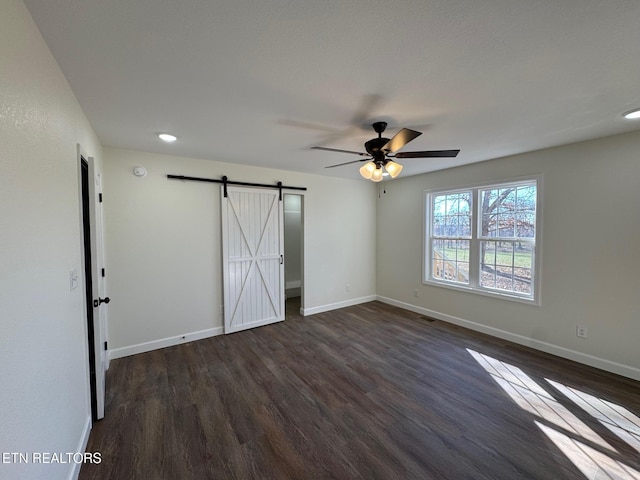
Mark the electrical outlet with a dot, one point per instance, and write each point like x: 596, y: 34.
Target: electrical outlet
x: 347, y: 288
x: 581, y: 331
x: 416, y: 293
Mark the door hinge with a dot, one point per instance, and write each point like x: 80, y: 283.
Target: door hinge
x: 102, y: 271
x: 105, y: 345
x: 100, y: 197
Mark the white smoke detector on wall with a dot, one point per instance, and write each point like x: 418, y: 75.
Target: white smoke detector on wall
x: 139, y: 171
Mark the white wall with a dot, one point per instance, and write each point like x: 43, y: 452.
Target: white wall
x: 44, y: 392
x: 590, y: 252
x: 164, y: 245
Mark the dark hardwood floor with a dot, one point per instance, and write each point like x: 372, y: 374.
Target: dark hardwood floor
x: 365, y: 392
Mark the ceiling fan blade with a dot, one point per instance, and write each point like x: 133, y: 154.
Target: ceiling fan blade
x: 348, y: 163
x: 362, y: 154
x: 308, y: 125
x: 429, y: 154
x: 400, y: 139
x: 365, y: 109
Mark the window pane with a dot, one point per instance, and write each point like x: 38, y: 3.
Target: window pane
x: 506, y: 200
x: 451, y: 215
x: 526, y: 225
x: 505, y: 223
x: 464, y: 225
x: 506, y: 265
x: 450, y: 260
x: 508, y: 212
x: 438, y: 213
x: 450, y: 225
x: 526, y: 198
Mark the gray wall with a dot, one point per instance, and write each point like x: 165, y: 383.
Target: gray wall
x: 590, y: 259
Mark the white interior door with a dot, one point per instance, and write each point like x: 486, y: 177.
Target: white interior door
x: 253, y: 261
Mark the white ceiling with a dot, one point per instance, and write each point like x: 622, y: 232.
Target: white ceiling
x: 258, y: 82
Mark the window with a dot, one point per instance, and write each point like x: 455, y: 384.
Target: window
x: 483, y: 238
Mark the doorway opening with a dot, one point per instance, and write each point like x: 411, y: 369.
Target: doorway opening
x: 293, y: 252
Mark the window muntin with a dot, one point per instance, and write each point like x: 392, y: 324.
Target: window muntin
x: 450, y: 260
x: 507, y: 266
x: 494, y: 255
x: 508, y: 212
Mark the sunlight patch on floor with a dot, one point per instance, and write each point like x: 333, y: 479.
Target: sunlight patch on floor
x: 592, y: 463
x: 616, y: 418
x: 531, y: 397
x: 587, y: 450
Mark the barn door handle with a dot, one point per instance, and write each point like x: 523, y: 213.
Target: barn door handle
x: 96, y: 303
x: 281, y: 259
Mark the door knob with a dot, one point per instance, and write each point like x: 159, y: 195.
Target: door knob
x: 96, y: 303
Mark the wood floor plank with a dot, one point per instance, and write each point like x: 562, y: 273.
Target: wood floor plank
x: 366, y: 392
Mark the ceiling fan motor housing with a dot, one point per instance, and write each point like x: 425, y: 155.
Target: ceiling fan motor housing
x: 374, y: 147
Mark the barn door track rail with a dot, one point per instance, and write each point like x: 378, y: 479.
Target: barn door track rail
x: 225, y: 181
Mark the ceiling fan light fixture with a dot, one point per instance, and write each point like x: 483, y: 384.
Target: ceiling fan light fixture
x: 633, y: 114
x: 367, y: 170
x: 376, y: 176
x: 393, y: 168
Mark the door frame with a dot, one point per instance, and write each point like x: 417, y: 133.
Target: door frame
x: 301, y: 195
x: 95, y: 315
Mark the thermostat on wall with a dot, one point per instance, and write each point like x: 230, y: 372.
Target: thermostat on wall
x: 139, y: 171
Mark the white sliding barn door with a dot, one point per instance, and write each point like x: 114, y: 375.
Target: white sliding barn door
x: 252, y: 258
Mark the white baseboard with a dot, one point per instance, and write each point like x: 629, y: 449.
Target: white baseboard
x: 164, y: 342
x: 293, y: 292
x: 335, y: 306
x: 601, y: 363
x: 82, y: 446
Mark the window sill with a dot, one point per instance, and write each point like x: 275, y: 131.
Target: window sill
x: 498, y: 295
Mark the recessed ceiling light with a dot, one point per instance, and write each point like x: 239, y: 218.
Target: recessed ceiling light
x: 632, y: 115
x: 167, y: 137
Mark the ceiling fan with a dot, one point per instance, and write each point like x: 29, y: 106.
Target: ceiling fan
x: 381, y: 151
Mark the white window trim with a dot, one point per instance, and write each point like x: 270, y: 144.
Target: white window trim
x: 474, y: 263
